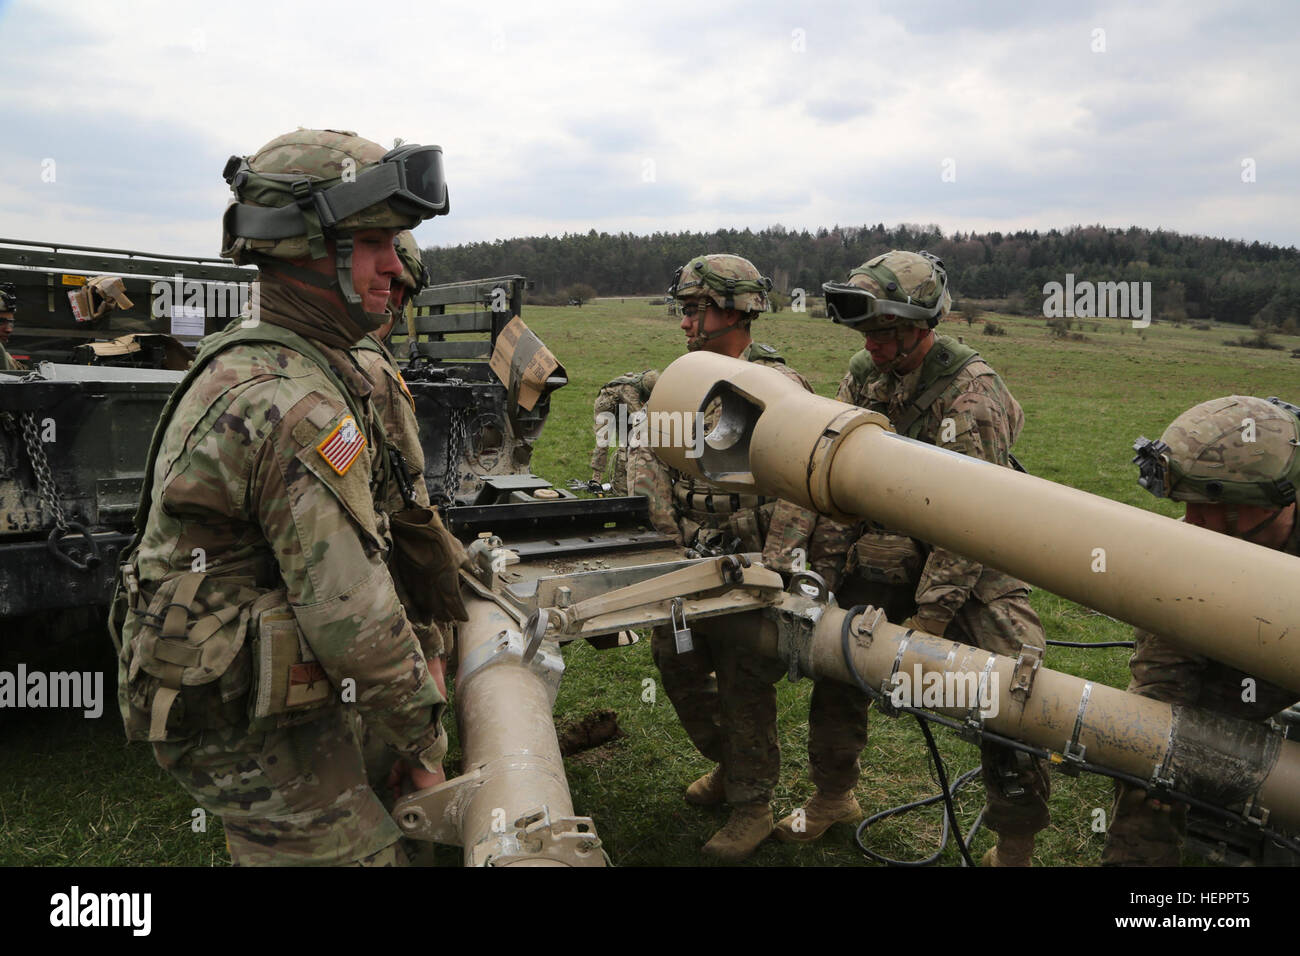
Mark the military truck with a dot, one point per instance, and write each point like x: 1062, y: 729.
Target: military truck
x: 106, y: 334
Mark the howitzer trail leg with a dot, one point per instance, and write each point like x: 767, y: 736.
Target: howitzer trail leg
x: 512, y: 805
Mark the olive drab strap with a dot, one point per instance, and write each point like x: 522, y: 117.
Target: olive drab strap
x: 931, y: 389
x: 174, y: 652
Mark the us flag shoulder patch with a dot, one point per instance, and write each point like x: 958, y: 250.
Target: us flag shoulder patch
x: 342, y: 446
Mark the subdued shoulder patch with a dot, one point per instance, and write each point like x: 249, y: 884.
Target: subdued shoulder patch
x: 401, y: 383
x: 341, y: 446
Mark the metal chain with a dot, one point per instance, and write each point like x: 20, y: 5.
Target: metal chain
x: 455, y: 448
x: 47, y: 490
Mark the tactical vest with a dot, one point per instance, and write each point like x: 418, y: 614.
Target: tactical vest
x: 166, y: 653
x: 946, y: 358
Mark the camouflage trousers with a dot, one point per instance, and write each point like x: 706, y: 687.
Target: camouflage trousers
x: 1016, y: 786
x: 296, y: 796
x: 1139, y: 834
x: 725, y: 696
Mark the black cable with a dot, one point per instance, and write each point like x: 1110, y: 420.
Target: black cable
x: 1080, y: 765
x: 946, y: 792
x: 960, y: 782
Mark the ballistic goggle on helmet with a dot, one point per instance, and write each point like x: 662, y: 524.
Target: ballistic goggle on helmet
x: 1234, y: 450
x: 732, y: 282
x: 308, y: 185
x: 892, y: 290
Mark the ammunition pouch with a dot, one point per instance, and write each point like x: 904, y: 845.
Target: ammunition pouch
x: 425, y: 562
x: 720, y: 531
x: 886, y: 558
x: 290, y: 684
x: 184, y: 664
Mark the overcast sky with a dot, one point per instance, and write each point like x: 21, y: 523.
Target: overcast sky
x: 561, y: 117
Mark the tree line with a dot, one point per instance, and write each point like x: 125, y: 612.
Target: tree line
x: 1192, y: 277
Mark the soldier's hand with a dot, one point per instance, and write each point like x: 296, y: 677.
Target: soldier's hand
x: 422, y: 779
x: 926, y: 625
x: 438, y: 671
x: 1152, y: 802
x: 406, y: 778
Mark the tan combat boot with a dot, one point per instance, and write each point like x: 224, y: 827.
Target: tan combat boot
x: 709, y: 791
x: 749, y: 825
x: 1010, y: 851
x: 823, y: 811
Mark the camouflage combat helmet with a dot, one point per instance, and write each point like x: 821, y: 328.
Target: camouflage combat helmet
x: 1234, y: 450
x: 730, y: 282
x: 414, y: 276
x: 891, y: 291
x: 305, y: 187
x: 8, y: 297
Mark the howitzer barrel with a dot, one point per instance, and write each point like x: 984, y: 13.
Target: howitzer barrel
x: 1229, y: 599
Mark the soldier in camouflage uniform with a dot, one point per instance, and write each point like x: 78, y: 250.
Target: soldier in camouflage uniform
x: 730, y: 717
x: 629, y: 392
x: 8, y: 305
x: 1235, y: 461
x: 396, y: 407
x: 258, y: 601
x: 935, y: 390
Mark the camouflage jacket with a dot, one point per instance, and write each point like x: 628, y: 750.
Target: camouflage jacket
x: 973, y: 414
x: 625, y: 390
x: 395, y: 406
x: 265, y: 480
x: 683, y: 507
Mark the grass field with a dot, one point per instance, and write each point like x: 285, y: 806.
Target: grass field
x: 72, y: 791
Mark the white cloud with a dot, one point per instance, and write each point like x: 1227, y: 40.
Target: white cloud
x: 549, y: 113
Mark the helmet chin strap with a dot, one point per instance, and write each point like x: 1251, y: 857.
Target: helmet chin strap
x: 902, y: 354
x: 1231, y: 519
x: 342, y: 282
x: 369, y: 321
x: 701, y: 338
